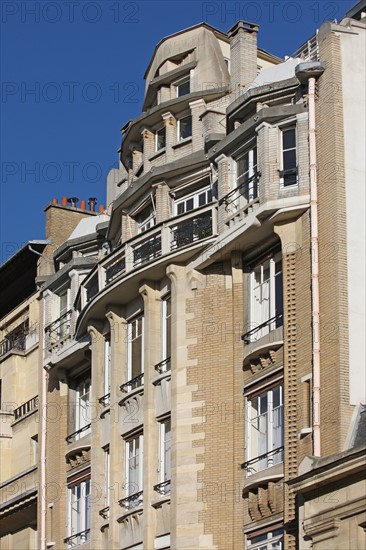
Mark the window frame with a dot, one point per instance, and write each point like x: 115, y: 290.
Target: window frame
x: 107, y: 367
x: 195, y: 195
x: 283, y: 172
x: 266, y: 544
x: 140, y: 470
x: 166, y: 320
x: 180, y: 138
x: 181, y: 82
x: 129, y: 348
x: 164, y: 450
x: 268, y: 459
x: 156, y: 134
x: 251, y: 192
x: 79, y: 424
x: 256, y: 310
x: 83, y: 521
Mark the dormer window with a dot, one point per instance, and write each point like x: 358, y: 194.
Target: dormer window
x: 183, y: 86
x: 184, y: 128
x: 146, y: 219
x: 160, y: 139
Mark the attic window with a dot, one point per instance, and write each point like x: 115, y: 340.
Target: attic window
x: 183, y: 86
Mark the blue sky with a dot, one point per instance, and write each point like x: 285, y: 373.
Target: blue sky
x: 72, y: 75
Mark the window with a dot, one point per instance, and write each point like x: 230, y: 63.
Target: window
x: 63, y: 326
x: 107, y: 366
x: 135, y: 366
x: 183, y: 86
x: 34, y: 449
x: 165, y: 446
x: 184, y: 128
x: 266, y: 297
x: 160, y: 139
x: 288, y: 171
x: 166, y: 326
x: 264, y: 430
x: 246, y: 169
x: 107, y: 476
x: 227, y: 63
x: 146, y: 219
x: 82, y: 408
x: 194, y: 200
x: 272, y: 540
x: 78, y: 514
x: 134, y: 470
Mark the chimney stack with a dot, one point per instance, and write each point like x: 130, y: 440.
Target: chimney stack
x: 243, y: 55
x: 83, y: 205
x: 64, y: 201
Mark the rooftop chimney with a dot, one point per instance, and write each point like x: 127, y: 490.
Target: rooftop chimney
x: 243, y: 55
x: 92, y: 201
x: 101, y: 208
x: 73, y: 201
x: 83, y: 205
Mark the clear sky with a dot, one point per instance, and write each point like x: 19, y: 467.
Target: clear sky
x: 72, y: 76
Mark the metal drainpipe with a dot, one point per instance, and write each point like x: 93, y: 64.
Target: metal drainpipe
x: 43, y: 443
x: 314, y: 239
x: 307, y: 73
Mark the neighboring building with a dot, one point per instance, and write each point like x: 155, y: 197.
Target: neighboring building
x: 201, y: 343
x: 19, y: 368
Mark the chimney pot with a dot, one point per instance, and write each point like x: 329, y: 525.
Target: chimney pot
x: 73, y: 201
x: 83, y: 205
x: 101, y: 208
x: 64, y: 201
x: 54, y: 201
x: 92, y: 201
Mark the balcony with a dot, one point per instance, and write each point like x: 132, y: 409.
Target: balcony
x: 163, y: 488
x: 264, y: 461
x: 163, y: 366
x: 58, y: 331
x: 242, y: 199
x: 160, y: 240
x: 104, y: 513
x: 26, y: 408
x: 78, y: 539
x: 131, y: 501
x: 261, y: 330
x: 105, y: 400
x: 75, y: 436
x: 13, y: 342
x: 133, y: 384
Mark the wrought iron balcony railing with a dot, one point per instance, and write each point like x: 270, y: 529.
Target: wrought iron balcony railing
x: 244, y: 194
x: 159, y: 240
x: 131, y: 501
x: 13, y: 342
x: 133, y: 383
x: 261, y: 462
x: 260, y: 330
x: 78, y: 538
x: 58, y: 330
x: 163, y: 488
x: 76, y: 435
x: 104, y: 512
x: 105, y: 400
x: 26, y: 408
x: 163, y: 366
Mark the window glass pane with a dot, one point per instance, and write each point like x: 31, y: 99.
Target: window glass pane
x: 288, y: 139
x: 289, y: 159
x: 189, y: 204
x: 185, y: 127
x: 183, y: 88
x: 160, y: 139
x: 180, y: 208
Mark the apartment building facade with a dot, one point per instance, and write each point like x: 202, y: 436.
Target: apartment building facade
x: 201, y: 339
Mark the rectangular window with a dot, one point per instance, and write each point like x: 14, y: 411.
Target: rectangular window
x: 165, y: 446
x: 160, y: 139
x: 183, y: 86
x: 78, y: 514
x: 266, y: 297
x: 194, y: 200
x: 135, y: 365
x: 107, y: 366
x: 146, y: 219
x: 166, y: 326
x: 107, y: 476
x: 289, y: 164
x: 82, y: 408
x: 246, y: 168
x: 184, y: 128
x: 134, y: 470
x: 264, y: 430
x: 271, y: 540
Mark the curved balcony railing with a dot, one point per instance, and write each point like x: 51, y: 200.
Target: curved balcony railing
x: 104, y: 512
x: 26, y: 408
x: 243, y: 195
x: 78, y: 538
x: 266, y: 460
x: 160, y: 240
x: 163, y: 366
x: 76, y: 435
x: 105, y: 400
x: 163, y: 488
x: 131, y: 501
x: 133, y: 383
